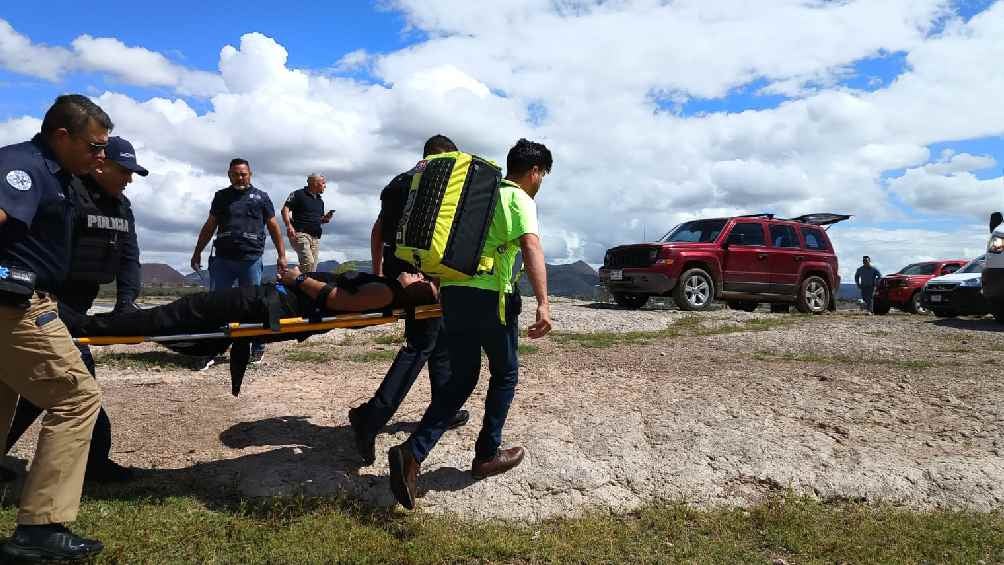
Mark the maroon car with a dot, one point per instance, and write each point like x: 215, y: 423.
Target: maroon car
x: 744, y: 260
x: 903, y: 289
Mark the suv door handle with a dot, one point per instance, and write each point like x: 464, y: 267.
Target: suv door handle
x: 799, y: 257
x: 761, y: 255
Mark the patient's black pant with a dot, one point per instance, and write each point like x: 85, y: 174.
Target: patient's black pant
x: 197, y: 313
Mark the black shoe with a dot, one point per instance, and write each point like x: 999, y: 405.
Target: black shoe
x: 459, y: 419
x: 51, y: 542
x: 403, y: 475
x: 365, y: 442
x: 109, y: 471
x: 7, y: 475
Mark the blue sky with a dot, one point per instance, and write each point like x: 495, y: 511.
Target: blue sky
x: 317, y: 35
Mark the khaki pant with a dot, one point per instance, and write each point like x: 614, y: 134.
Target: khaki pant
x: 307, y: 248
x: 40, y: 362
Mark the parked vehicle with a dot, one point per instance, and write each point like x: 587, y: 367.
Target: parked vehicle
x: 958, y: 293
x: 743, y: 260
x: 902, y: 290
x: 993, y: 272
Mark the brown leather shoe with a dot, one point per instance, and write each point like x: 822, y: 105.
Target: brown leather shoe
x: 504, y: 460
x: 403, y: 475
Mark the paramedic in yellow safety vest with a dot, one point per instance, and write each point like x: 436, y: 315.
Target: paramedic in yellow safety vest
x: 471, y: 311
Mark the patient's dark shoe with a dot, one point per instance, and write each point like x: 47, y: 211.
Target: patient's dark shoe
x: 459, y: 419
x: 51, y: 542
x: 109, y: 471
x: 365, y: 441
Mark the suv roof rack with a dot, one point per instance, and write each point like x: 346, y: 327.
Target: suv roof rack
x: 821, y: 219
x: 768, y: 216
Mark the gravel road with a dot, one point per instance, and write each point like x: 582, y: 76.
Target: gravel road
x: 720, y: 409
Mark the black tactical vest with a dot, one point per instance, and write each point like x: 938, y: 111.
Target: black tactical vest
x: 99, y: 235
x: 242, y: 226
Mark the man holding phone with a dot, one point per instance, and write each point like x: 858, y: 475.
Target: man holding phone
x: 304, y: 213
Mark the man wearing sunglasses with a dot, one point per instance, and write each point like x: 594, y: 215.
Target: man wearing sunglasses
x: 40, y: 361
x: 104, y: 250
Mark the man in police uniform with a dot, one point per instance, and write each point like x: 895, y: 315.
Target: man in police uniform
x: 304, y: 214
x: 239, y: 215
x: 425, y: 339
x: 104, y: 250
x: 39, y: 359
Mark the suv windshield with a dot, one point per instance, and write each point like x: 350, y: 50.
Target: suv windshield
x: 698, y: 231
x: 974, y: 266
x: 918, y: 269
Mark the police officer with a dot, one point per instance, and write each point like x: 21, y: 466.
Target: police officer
x: 239, y: 215
x: 304, y: 213
x: 40, y: 361
x: 104, y: 250
x: 425, y: 339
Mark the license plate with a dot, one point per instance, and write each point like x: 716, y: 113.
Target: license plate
x: 617, y: 275
x: 936, y: 298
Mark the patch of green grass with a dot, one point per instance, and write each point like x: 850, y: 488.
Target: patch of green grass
x: 145, y: 360
x: 373, y: 356
x: 183, y: 529
x: 845, y: 360
x: 394, y: 338
x: 527, y: 349
x: 687, y: 326
x: 309, y: 356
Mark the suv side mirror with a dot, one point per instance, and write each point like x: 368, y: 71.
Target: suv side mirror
x: 996, y: 219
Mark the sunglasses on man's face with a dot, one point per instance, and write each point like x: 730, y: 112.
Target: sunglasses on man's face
x: 93, y: 147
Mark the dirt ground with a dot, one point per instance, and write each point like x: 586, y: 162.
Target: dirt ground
x: 898, y: 408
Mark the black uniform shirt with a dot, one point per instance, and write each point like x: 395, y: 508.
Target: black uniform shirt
x: 392, y: 201
x: 307, y: 210
x: 241, y: 216
x: 34, y: 192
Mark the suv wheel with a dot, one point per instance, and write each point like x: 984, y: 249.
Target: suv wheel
x: 744, y: 305
x: 914, y: 306
x: 695, y: 291
x: 632, y: 301
x: 813, y: 296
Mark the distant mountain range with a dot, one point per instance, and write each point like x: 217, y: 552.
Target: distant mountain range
x: 160, y: 274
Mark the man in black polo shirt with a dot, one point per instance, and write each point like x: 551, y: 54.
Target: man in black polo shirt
x: 426, y: 339
x: 304, y: 214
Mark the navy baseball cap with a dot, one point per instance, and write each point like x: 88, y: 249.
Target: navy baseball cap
x: 122, y: 152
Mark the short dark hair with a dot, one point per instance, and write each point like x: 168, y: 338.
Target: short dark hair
x: 72, y: 112
x: 866, y: 257
x: 438, y: 143
x: 238, y: 161
x: 526, y: 155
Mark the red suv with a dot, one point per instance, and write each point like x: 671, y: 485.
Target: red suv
x: 744, y: 260
x: 903, y: 289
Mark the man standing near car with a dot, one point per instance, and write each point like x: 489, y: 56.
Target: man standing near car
x: 425, y: 339
x: 104, y: 250
x: 239, y: 216
x: 39, y: 359
x: 865, y: 277
x: 482, y: 313
x: 303, y: 214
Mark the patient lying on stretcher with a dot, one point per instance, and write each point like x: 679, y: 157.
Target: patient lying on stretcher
x: 319, y: 294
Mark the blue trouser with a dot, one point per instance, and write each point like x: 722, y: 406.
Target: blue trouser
x: 426, y: 342
x: 867, y: 293
x: 472, y: 324
x: 223, y: 273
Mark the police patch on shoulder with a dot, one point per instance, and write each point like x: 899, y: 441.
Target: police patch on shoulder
x: 19, y: 180
x: 419, y: 167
